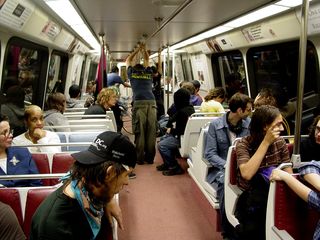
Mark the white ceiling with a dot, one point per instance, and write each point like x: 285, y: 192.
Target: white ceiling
x: 124, y: 22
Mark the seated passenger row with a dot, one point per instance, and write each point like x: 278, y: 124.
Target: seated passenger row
x: 264, y: 113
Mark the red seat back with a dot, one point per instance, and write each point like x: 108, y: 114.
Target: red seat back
x: 233, y: 167
x: 290, y: 148
x: 61, y: 163
x: 11, y: 197
x: 292, y: 213
x: 34, y: 198
x: 42, y: 162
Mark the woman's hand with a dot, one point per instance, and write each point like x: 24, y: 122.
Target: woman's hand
x: 272, y: 133
x: 278, y: 175
x: 39, y: 133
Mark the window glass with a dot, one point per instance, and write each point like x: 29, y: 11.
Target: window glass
x: 22, y: 67
x: 229, y: 72
x: 57, y: 72
x: 276, y: 67
x: 92, y: 78
x: 25, y: 64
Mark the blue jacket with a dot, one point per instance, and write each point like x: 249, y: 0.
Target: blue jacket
x: 218, y: 142
x: 19, y: 161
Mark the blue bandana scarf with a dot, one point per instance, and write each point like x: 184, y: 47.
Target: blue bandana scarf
x: 92, y: 212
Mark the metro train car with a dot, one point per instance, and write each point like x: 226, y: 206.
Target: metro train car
x: 242, y: 46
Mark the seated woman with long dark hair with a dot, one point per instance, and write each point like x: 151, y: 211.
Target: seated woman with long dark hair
x: 257, y: 155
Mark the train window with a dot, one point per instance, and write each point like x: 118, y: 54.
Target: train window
x: 83, y: 67
x: 25, y: 64
x: 229, y: 72
x: 57, y: 72
x: 276, y: 67
x: 91, y: 77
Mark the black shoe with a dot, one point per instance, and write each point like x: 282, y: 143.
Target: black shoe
x: 132, y: 175
x: 148, y: 162
x: 173, y: 171
x: 162, y: 167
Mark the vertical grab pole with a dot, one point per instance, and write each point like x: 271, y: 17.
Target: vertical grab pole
x: 168, y: 71
x: 300, y: 86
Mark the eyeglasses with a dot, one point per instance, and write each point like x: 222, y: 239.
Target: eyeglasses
x: 7, y: 133
x: 317, y: 130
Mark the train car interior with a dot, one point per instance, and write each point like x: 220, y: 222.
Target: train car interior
x: 48, y: 46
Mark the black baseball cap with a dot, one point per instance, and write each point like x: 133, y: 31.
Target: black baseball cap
x: 109, y: 146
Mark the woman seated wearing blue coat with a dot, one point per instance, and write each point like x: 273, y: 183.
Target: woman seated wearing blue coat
x: 14, y: 160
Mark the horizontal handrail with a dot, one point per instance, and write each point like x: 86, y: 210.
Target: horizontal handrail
x: 292, y: 136
x: 88, y: 126
x: 55, y: 144
x: 206, y: 113
x: 32, y: 176
x: 89, y: 116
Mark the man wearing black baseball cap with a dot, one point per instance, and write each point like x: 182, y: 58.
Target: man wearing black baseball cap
x: 79, y: 209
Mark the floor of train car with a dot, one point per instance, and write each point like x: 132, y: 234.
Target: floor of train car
x: 162, y: 207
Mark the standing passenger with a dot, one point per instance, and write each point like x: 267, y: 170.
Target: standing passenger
x: 222, y: 132
x: 80, y: 209
x: 257, y: 155
x: 113, y: 78
x: 34, y: 120
x: 144, y: 111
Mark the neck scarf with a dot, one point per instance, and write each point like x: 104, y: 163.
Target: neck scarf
x: 93, y: 212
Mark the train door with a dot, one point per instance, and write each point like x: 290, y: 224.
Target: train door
x: 25, y: 63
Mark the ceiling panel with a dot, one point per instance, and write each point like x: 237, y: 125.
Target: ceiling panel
x: 125, y: 21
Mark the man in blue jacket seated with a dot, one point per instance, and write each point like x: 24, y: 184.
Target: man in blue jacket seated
x: 14, y: 160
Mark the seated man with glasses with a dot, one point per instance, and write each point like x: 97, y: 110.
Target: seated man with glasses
x: 14, y: 160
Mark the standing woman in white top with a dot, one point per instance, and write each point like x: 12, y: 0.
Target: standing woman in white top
x: 35, y: 134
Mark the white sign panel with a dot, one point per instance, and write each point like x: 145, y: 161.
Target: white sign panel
x: 15, y: 13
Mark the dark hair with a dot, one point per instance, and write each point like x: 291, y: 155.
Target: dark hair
x: 181, y: 98
x: 4, y: 118
x: 266, y: 97
x: 215, y: 93
x: 261, y: 117
x: 74, y: 90
x: 8, y: 82
x: 313, y: 127
x: 114, y: 69
x: 239, y: 100
x: 56, y: 101
x: 15, y: 95
x: 94, y: 174
x: 189, y: 87
x: 196, y: 84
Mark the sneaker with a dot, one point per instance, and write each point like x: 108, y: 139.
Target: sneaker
x: 132, y: 175
x: 173, y: 171
x: 162, y: 167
